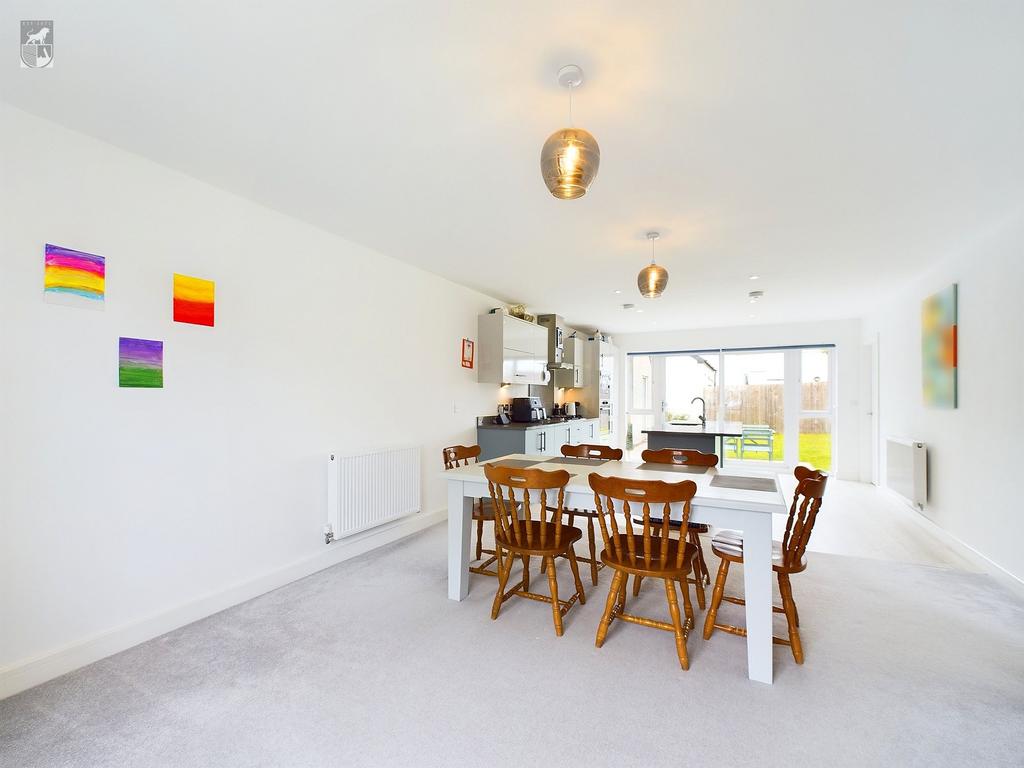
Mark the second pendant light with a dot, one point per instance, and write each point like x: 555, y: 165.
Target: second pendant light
x: 653, y: 279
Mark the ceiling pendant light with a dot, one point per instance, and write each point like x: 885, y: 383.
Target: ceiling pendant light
x: 570, y: 156
x: 652, y: 279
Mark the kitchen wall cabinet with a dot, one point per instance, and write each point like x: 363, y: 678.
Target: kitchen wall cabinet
x: 539, y: 440
x: 574, y: 376
x: 511, y: 351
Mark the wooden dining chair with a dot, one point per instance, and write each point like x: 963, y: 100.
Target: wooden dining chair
x: 515, y: 493
x: 483, y: 509
x: 788, y: 557
x: 641, y: 552
x: 587, y: 451
x: 692, y: 458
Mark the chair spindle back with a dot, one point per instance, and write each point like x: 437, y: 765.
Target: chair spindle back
x: 686, y: 456
x: 622, y: 543
x: 513, y: 514
x: 802, y: 513
x: 590, y: 451
x: 459, y: 455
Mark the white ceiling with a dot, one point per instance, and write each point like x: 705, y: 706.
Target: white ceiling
x: 834, y: 148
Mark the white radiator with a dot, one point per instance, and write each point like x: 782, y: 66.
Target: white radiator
x: 370, y: 490
x: 906, y: 469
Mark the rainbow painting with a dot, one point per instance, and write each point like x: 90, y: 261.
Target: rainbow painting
x: 140, y: 363
x: 193, y: 300
x: 74, y: 278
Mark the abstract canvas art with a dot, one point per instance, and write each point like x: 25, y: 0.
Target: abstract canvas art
x: 74, y: 278
x: 193, y: 300
x: 140, y: 363
x: 939, y: 348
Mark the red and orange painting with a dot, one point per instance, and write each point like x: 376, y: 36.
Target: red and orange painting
x: 193, y: 300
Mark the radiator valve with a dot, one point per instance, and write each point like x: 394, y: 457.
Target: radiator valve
x: 328, y: 534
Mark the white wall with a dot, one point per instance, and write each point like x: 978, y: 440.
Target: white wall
x: 121, y: 504
x: 974, y: 451
x: 845, y: 334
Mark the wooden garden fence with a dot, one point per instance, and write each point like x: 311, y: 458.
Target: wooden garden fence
x: 763, y: 404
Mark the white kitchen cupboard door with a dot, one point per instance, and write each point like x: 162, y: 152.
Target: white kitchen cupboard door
x: 558, y: 435
x: 516, y: 334
x: 535, y: 439
x: 514, y: 366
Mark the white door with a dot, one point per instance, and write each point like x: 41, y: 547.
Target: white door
x: 869, y: 411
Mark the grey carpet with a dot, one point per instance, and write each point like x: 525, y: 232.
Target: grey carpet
x: 367, y: 663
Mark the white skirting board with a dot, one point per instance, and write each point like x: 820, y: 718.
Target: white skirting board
x: 31, y: 672
x: 969, y: 553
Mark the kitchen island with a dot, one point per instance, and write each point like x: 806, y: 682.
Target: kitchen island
x: 706, y: 438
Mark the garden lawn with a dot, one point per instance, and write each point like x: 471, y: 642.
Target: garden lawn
x: 815, y: 449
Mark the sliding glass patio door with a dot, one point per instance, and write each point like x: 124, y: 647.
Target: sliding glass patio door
x: 781, y: 398
x: 817, y: 407
x: 754, y: 396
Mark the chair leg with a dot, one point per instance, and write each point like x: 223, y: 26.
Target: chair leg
x: 790, y: 609
x: 637, y: 581
x: 698, y: 582
x: 556, y: 609
x: 716, y: 599
x: 593, y: 550
x: 606, y: 619
x: 698, y: 589
x: 704, y: 574
x: 526, y: 573
x: 673, y: 609
x: 479, y: 539
x: 571, y: 556
x: 622, y: 594
x: 687, y: 606
x: 504, y: 569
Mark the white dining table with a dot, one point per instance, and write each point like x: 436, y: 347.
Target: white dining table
x: 749, y: 511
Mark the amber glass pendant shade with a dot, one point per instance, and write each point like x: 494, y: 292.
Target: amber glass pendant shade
x: 652, y: 281
x: 568, y: 162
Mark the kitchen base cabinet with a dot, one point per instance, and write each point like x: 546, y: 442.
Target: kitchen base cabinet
x: 536, y: 439
x: 584, y: 431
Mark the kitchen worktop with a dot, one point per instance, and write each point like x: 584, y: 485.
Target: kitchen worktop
x: 711, y: 429
x: 532, y: 424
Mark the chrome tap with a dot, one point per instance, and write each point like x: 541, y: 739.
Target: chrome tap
x: 703, y: 411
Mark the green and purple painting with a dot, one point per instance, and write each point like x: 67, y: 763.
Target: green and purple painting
x: 140, y: 363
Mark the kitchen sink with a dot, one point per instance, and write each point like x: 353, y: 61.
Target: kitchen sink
x: 685, y: 423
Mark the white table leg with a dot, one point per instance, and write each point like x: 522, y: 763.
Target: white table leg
x: 757, y: 589
x: 460, y: 515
